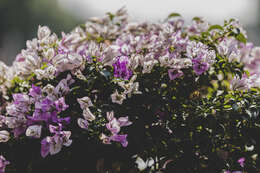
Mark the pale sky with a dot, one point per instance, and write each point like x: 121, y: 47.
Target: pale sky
x: 214, y: 11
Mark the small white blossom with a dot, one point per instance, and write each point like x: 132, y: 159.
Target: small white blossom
x: 49, y: 54
x: 148, y: 66
x: 34, y: 131
x: 85, y: 102
x: 118, y: 98
x: 43, y: 32
x: 4, y: 136
x: 87, y: 114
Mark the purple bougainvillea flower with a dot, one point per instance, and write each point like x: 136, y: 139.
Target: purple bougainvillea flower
x: 65, y: 120
x: 241, y: 161
x: 63, y: 87
x: 55, y: 129
x: 120, y: 138
x: 52, y: 145
x: 174, y: 73
x: 199, y: 67
x: 60, y: 104
x: 45, y: 147
x: 45, y: 105
x: 18, y: 131
x: 83, y: 123
x: 35, y: 91
x: 113, y: 126
x: 124, y: 121
x: 47, y: 116
x: 21, y: 99
x: 120, y: 68
x: 3, y: 163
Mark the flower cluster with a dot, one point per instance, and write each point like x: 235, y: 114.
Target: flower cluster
x: 172, y: 93
x: 114, y: 126
x: 40, y: 108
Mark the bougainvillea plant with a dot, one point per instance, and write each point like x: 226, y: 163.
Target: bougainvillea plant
x: 117, y: 96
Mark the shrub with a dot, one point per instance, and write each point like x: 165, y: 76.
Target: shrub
x: 112, y: 94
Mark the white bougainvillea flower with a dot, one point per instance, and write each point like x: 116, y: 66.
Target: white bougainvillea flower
x: 4, y: 136
x: 85, y: 102
x: 113, y: 126
x: 66, y: 141
x: 49, y: 54
x: 47, y: 73
x: 118, y: 98
x: 82, y: 123
x: 34, y: 131
x: 43, y: 32
x: 131, y: 87
x: 124, y: 121
x: 105, y: 139
x: 148, y: 66
x: 240, y: 84
x: 55, y: 145
x: 32, y: 44
x: 87, y: 114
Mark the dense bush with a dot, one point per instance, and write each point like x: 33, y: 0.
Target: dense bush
x: 113, y: 94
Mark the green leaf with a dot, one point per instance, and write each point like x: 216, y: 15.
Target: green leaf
x: 44, y: 66
x: 197, y: 19
x: 174, y: 15
x: 212, y: 27
x: 16, y: 80
x: 100, y: 39
x: 240, y: 37
x: 31, y: 76
x: 82, y: 26
x: 111, y: 16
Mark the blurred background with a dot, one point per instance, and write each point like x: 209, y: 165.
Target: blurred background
x: 19, y: 19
